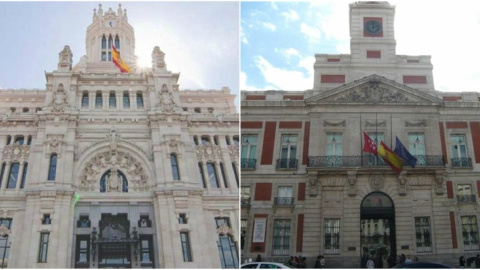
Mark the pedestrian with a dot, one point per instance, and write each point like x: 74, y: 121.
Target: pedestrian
x: 477, y: 261
x: 290, y: 262
x: 408, y: 260
x: 259, y: 258
x: 370, y: 263
x: 302, y: 262
x: 322, y: 262
x: 462, y: 261
x: 415, y: 259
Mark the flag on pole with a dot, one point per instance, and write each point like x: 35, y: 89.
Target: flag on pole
x: 370, y: 146
x: 402, y: 152
x: 117, y: 60
x: 394, y: 161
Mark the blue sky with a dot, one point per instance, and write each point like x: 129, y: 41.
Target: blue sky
x: 200, y: 39
x: 279, y: 40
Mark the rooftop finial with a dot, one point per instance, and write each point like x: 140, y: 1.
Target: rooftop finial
x: 119, y: 11
x: 100, y: 10
x: 94, y: 14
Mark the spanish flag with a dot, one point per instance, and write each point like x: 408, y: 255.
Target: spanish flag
x: 117, y: 60
x: 392, y: 159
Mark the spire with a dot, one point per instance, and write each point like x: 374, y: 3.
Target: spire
x: 100, y: 10
x: 119, y: 10
x: 95, y: 14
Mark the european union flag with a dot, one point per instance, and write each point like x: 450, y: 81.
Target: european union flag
x: 402, y: 152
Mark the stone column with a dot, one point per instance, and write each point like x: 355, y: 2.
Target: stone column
x: 105, y: 102
x: 5, y: 175
x: 91, y: 100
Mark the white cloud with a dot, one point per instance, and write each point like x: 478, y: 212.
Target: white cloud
x: 269, y: 26
x: 291, y: 15
x: 274, y: 5
x: 282, y: 79
x: 312, y: 33
x: 243, y: 36
x: 287, y: 53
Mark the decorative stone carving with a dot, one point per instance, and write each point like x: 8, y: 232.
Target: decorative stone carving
x: 402, y: 180
x: 166, y: 102
x: 65, y: 59
x: 421, y: 123
x: 373, y: 92
x: 113, y: 137
x: 209, y: 153
x: 224, y: 230
x: 439, y: 175
x: 94, y: 169
x: 312, y: 181
x: 53, y: 145
x: 4, y: 231
x: 332, y: 181
x: 327, y: 123
x: 233, y: 151
x: 113, y: 181
x: 59, y: 99
x: 377, y: 182
x: 16, y: 153
x: 158, y: 59
x: 375, y: 123
x: 352, y: 177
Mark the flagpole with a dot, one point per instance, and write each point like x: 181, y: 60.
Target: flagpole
x: 391, y: 130
x: 361, y: 159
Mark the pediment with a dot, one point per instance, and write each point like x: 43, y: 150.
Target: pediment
x: 374, y: 89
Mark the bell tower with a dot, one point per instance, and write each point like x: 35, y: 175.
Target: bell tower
x: 372, y: 36
x: 109, y: 29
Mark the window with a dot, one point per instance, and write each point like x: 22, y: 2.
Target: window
x: 332, y: 236
x: 195, y: 140
x: 416, y: 142
x: 215, y: 140
x: 197, y: 110
x: 29, y: 140
x: 85, y: 100
x: 98, y: 100
x: 234, y: 167
x: 53, y: 167
x: 205, y: 140
x: 284, y: 196
x: 25, y: 110
x: 82, y: 251
x: 185, y: 241
x: 104, y: 49
x: 46, y: 220
x: 109, y: 48
x: 470, y: 232
x: 175, y: 170
x: 226, y: 246
x: 145, y: 221
x: 202, y: 175
x: 222, y: 171
x: 43, y: 249
x: 373, y: 160
x: 83, y: 221
x: 126, y: 100
x: 235, y: 140
x: 281, y: 237
x: 146, y: 252
x: 422, y: 234
x: 9, y: 140
x: 19, y: 140
x: 24, y: 175
x: 243, y: 230
x: 212, y: 175
x: 139, y: 100
x: 109, y: 182
x: 117, y: 43
x: 112, y: 100
x: 459, y: 151
x: 288, y: 152
x: 464, y: 194
x: 334, y: 149
x: 5, y: 243
x: 12, y: 179
x: 2, y: 173
x: 182, y: 218
x: 249, y: 151
x: 227, y: 140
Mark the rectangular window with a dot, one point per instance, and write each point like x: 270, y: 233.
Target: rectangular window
x: 332, y: 236
x: 205, y: 140
x: 174, y: 163
x: 126, y: 100
x: 249, y: 151
x: 416, y: 145
x: 465, y: 194
x: 43, y: 249
x: 212, y: 175
x: 46, y: 219
x: 222, y: 171
x: 52, y: 169
x: 19, y: 140
x: 85, y: 100
x: 82, y: 252
x: 459, y: 151
x: 235, y: 140
x: 371, y: 159
x: 5, y: 243
x: 182, y: 218
x: 12, y: 179
x: 281, y: 237
x: 185, y: 241
x: 83, y: 221
x: 98, y: 100
x: 202, y: 175
x: 112, y: 100
x: 139, y: 100
x: 423, y: 234
x: 146, y: 251
x: 334, y: 149
x: 24, y: 175
x: 288, y: 152
x: 470, y: 232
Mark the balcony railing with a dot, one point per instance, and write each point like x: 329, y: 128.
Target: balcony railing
x: 367, y: 161
x: 461, y: 162
x: 287, y: 163
x: 245, y: 201
x: 248, y: 163
x: 466, y: 199
x: 283, y: 201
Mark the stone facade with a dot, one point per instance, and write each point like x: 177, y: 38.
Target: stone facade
x: 308, y: 189
x: 102, y: 169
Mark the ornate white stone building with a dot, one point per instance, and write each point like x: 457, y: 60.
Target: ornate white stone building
x: 103, y: 169
x: 308, y: 189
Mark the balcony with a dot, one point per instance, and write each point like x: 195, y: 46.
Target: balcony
x: 367, y: 161
x: 466, y: 199
x: 287, y: 163
x: 245, y: 201
x: 462, y: 162
x: 283, y: 201
x: 248, y: 163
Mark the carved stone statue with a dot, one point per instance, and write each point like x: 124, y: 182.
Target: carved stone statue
x: 65, y: 59
x: 158, y: 59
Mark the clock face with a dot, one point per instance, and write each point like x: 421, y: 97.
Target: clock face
x: 110, y: 24
x: 373, y: 27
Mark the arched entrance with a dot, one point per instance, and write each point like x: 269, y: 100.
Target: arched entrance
x: 377, y: 229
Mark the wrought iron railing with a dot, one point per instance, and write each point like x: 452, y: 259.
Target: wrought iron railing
x: 248, y: 163
x: 461, y: 162
x: 466, y: 199
x: 245, y: 201
x: 287, y: 163
x: 368, y: 161
x: 283, y: 201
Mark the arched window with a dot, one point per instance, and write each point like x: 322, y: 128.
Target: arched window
x: 12, y: 179
x: 104, y: 49
x: 52, y: 169
x: 24, y: 175
x: 112, y: 100
x: 108, y: 175
x: 126, y: 100
x: 85, y: 100
x: 139, y: 100
x: 117, y: 43
x: 98, y: 100
x: 110, y: 42
x: 175, y: 170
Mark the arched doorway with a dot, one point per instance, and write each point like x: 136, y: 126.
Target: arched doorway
x: 377, y: 229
